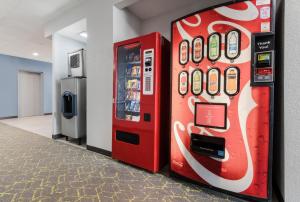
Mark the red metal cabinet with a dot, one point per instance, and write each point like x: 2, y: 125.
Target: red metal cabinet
x: 141, y: 101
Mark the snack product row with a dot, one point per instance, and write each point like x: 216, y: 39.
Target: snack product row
x: 133, y: 95
x: 133, y: 71
x: 213, y: 81
x: 132, y: 106
x: 214, y: 42
x: 133, y: 84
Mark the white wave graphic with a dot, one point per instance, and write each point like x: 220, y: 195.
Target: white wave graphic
x: 198, y: 23
x: 183, y: 33
x: 251, y: 13
x: 245, y: 105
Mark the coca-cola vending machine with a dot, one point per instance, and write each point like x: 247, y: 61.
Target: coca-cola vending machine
x: 141, y: 101
x: 222, y: 97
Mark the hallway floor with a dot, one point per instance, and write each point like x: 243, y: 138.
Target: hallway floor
x: 35, y: 168
x: 41, y: 125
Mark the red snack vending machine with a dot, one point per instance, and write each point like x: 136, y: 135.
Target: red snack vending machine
x: 222, y: 97
x: 141, y: 101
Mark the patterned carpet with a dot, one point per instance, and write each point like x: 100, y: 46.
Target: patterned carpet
x: 35, y: 168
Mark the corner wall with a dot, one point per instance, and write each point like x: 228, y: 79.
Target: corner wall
x: 125, y: 25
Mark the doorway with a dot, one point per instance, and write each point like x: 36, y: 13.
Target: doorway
x: 30, y: 94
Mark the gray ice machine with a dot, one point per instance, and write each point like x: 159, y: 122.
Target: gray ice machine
x: 73, y: 95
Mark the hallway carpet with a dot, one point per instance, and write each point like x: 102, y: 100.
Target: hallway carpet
x: 35, y: 168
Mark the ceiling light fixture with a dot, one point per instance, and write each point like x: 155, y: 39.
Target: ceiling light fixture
x: 35, y: 54
x: 83, y: 34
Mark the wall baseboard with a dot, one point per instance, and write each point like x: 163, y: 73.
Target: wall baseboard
x: 98, y: 150
x: 8, y: 117
x: 57, y: 136
x: 277, y: 192
x: 47, y: 114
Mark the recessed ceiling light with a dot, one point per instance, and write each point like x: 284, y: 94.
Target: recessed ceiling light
x: 35, y: 54
x: 83, y: 34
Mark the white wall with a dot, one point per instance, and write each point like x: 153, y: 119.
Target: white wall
x: 100, y: 16
x: 99, y: 74
x: 278, y: 160
x: 292, y: 97
x: 61, y: 47
x: 162, y: 23
x: 125, y: 25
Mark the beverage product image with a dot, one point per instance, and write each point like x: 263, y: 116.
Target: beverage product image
x: 214, y: 46
x: 232, y: 44
x: 197, y: 79
x: 184, y: 52
x: 198, y: 49
x: 183, y: 83
x: 231, y: 86
x: 213, y: 81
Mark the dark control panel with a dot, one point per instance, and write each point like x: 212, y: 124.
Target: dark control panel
x: 263, y: 54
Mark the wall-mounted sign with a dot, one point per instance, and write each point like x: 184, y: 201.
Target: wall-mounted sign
x: 197, y: 82
x: 233, y: 44
x: 183, y: 83
x: 213, y: 81
x: 232, y: 81
x: 214, y: 47
x: 184, y: 52
x: 198, y: 49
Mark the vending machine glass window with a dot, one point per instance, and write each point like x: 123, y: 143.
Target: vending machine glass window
x: 129, y: 82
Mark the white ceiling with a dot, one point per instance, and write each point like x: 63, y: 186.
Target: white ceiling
x: 145, y: 9
x: 74, y: 30
x: 22, y: 26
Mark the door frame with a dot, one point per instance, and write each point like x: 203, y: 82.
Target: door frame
x: 41, y: 74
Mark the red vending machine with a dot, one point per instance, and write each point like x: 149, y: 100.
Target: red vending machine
x: 141, y: 101
x: 222, y: 97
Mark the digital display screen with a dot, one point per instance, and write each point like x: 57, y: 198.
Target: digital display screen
x: 264, y: 59
x: 211, y: 115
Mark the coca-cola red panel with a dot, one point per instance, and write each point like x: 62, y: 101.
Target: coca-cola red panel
x: 220, y: 126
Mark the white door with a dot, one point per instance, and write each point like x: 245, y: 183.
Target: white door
x: 30, y: 94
